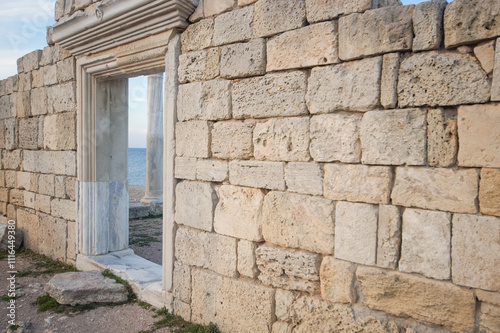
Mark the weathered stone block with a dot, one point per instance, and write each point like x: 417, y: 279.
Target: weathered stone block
x: 214, y: 7
x: 453, y: 190
x: 426, y: 243
x: 243, y: 59
x: 62, y: 97
x: 321, y: 10
x: 258, y: 174
x: 376, y: 31
x: 190, y: 247
x: 66, y: 70
x: 428, y: 25
x: 362, y: 183
x: 23, y: 180
x: 274, y: 16
x: 203, y: 296
x: 436, y: 302
x: 16, y: 197
x: 43, y: 162
x: 198, y: 36
x: 476, y: 251
x: 442, y: 79
x: 442, y: 137
x: 213, y: 63
x: 12, y: 84
x: 298, y: 221
x: 246, y: 259
x: 394, y: 137
x: 192, y: 66
x: 11, y: 159
x: 352, y: 86
x: 235, y: 26
x: 193, y: 139
x: 464, y: 25
x: 5, y: 111
x: 46, y: 185
x: 185, y: 168
x: 475, y: 123
x: 47, y: 56
x: 489, y: 318
x: 259, y: 97
x: 29, y: 224
x: 356, y: 232
x: 25, y: 82
x: 282, y: 140
x: 485, y: 53
x: 194, y: 204
x: 489, y: 192
x: 306, y: 178
x: 337, y: 280
x: 389, y: 81
x: 29, y: 199
x: 31, y: 60
x: 60, y: 131
x: 306, y: 47
x: 65, y: 209
x: 284, y: 300
x: 222, y: 256
x: 50, y: 75
x: 53, y: 234
x: 209, y: 100
x: 60, y: 187
x: 335, y: 137
x: 238, y: 213
x: 10, y: 178
x: 389, y: 236
x: 288, y: 269
x: 23, y: 104
x: 182, y: 282
x: 239, y: 147
x: 211, y: 170
x: 42, y: 203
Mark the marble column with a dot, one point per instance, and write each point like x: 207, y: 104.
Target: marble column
x: 154, y: 153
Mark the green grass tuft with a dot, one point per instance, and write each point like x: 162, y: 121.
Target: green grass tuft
x: 132, y: 297
x: 180, y: 325
x: 46, y: 303
x: 44, y: 265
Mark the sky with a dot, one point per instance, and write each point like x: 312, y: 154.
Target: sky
x: 23, y: 29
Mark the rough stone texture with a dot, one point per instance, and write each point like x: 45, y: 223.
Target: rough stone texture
x: 192, y: 66
x: 46, y: 185
x: 489, y: 318
x: 214, y: 7
x: 306, y: 178
x: 428, y: 25
x: 479, y: 138
x: 464, y: 25
x: 258, y: 174
x: 401, y: 294
x: 42, y: 203
x: 211, y: 170
x: 62, y: 97
x: 352, y: 86
x: 39, y: 102
x: 274, y: 16
x: 194, y: 204
x: 28, y: 133
x: 475, y: 252
x: 235, y: 26
x: 209, y: 100
x: 442, y: 137
x: 284, y: 299
x: 362, y: 183
x: 238, y: 213
x: 356, y: 232
x: 426, y: 243
x: 53, y: 237
x: 442, y: 79
x: 337, y: 280
x: 485, y: 53
x: 488, y: 297
x: 243, y: 59
x: 489, y: 192
x: 185, y: 168
x: 282, y: 140
x: 66, y: 70
x: 389, y: 236
x: 246, y: 259
x: 394, y: 137
x: 11, y: 159
x: 321, y: 10
x: 23, y: 104
x: 60, y: 131
x: 389, y: 81
x: 495, y: 89
x: 306, y: 47
x: 288, y: 269
x: 198, y: 36
x: 84, y: 288
x: 190, y: 248
x: 245, y: 2
x: 298, y: 221
x: 43, y: 162
x: 239, y: 147
x: 198, y: 13
x: 65, y: 209
x: 213, y: 63
x: 335, y: 137
x: 279, y: 94
x: 376, y: 31
x: 203, y: 296
x: 452, y: 190
x: 193, y: 139
x: 31, y: 60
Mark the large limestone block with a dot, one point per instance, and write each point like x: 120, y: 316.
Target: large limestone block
x: 240, y: 146
x: 211, y: 170
x: 321, y: 10
x: 305, y: 178
x: 389, y: 81
x: 62, y: 97
x: 198, y: 36
x: 192, y: 66
x: 337, y: 280
x: 210, y: 100
x: 193, y: 139
x: 60, y: 131
x: 282, y: 140
x: 29, y: 133
x: 489, y: 192
x: 489, y: 318
x: 66, y: 70
x: 352, y: 86
x: 23, y: 104
x: 389, y: 236
x: 428, y: 25
x: 53, y: 234
x: 194, y: 204
x: 274, y: 16
x: 31, y: 60
x: 442, y: 79
x: 376, y: 31
x: 441, y: 303
x: 478, y: 135
x: 247, y: 265
x: 29, y: 224
x: 46, y: 185
x: 243, y: 59
x: 185, y: 168
x: 214, y: 7
x: 269, y: 175
x: 65, y: 209
x: 426, y: 243
x: 222, y: 256
x: 306, y: 47
x: 272, y: 95
x: 335, y: 137
x: 238, y: 213
x: 442, y: 137
x: 284, y: 299
x: 235, y: 26
x: 360, y: 183
x: 298, y: 221
x: 190, y: 247
x: 43, y: 162
x: 470, y: 21
x: 476, y: 251
x: 443, y: 189
x: 204, y: 284
x: 39, y: 102
x: 288, y: 269
x: 394, y: 137
x: 485, y: 53
x: 356, y: 232
x: 11, y: 159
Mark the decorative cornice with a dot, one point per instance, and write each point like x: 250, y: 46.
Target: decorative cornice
x: 119, y: 22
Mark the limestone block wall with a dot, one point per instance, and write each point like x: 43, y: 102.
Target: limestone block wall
x: 338, y: 166
x: 38, y: 151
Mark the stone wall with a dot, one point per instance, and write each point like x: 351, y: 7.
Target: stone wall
x: 339, y: 166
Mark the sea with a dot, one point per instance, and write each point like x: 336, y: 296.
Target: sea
x: 137, y: 166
